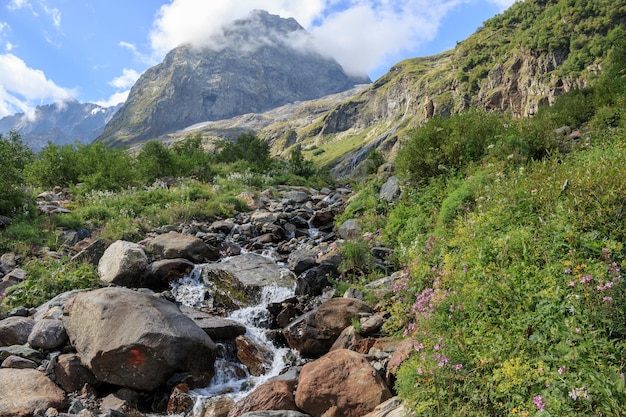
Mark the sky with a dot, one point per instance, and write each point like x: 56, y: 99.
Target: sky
x: 94, y: 50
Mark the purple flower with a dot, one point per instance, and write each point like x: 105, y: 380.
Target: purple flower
x: 457, y: 367
x: 538, y: 401
x: 562, y: 370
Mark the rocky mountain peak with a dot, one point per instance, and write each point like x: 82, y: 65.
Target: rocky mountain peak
x: 255, y: 64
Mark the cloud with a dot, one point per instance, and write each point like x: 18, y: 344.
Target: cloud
x: 126, y: 80
x: 23, y: 87
x: 503, y: 4
x: 362, y: 35
x: 18, y: 4
x: 54, y: 14
x: 115, y: 99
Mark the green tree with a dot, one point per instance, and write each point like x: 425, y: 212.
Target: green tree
x: 14, y: 156
x: 192, y: 159
x: 299, y: 164
x: 247, y: 147
x: 155, y: 161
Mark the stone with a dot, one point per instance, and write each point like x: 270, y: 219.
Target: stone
x: 180, y: 401
x: 302, y: 259
x: 390, y: 190
x: 272, y: 395
x: 92, y: 253
x: 18, y: 362
x: 296, y: 196
x: 340, y: 383
x: 159, y: 274
x: 155, y: 341
x: 175, y: 245
x: 71, y: 374
x: 313, y: 333
x: 215, y: 407
x: 349, y: 230
x: 23, y: 352
x: 321, y: 218
x: 275, y: 413
x: 393, y: 407
x: 255, y: 357
x: 348, y: 339
x: 15, y: 330
x: 26, y: 390
x: 218, y: 328
x: 47, y: 334
x: 313, y: 281
x: 122, y: 263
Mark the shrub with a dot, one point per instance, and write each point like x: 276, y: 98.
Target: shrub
x: 14, y: 156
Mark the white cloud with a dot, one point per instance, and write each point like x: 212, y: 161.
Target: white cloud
x: 126, y: 80
x: 18, y: 4
x: 503, y: 4
x: 117, y: 98
x: 23, y: 87
x: 54, y: 14
x: 361, y: 34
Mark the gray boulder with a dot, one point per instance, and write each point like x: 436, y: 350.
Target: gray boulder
x: 390, y: 190
x: 349, y: 230
x: 122, y: 263
x: 175, y: 245
x: 15, y: 330
x: 47, y: 334
x: 136, y: 340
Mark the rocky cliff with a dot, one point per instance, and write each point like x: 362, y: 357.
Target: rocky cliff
x: 60, y: 123
x: 258, y: 63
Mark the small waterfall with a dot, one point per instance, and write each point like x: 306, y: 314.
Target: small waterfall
x: 231, y: 378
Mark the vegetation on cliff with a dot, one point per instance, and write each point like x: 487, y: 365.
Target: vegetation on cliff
x: 510, y: 237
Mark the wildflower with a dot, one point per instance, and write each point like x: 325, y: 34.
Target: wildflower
x: 572, y: 284
x: 562, y: 370
x: 420, y: 371
x: 585, y: 279
x: 577, y: 393
x: 419, y: 347
x: 538, y: 401
x: 607, y: 300
x: 457, y: 367
x: 577, y: 330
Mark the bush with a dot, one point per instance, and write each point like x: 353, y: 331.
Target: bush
x: 14, y: 156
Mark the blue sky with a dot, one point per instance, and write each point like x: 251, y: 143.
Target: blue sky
x: 94, y: 50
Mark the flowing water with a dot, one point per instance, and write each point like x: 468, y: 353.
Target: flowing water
x: 231, y: 378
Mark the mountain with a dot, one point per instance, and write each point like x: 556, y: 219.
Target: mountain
x: 521, y: 59
x: 256, y: 64
x: 60, y: 123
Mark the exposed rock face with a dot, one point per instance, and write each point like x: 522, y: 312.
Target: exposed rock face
x: 314, y: 333
x: 253, y: 66
x: 155, y: 341
x: 341, y: 383
x: 26, y: 390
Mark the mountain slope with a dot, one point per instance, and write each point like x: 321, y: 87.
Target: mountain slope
x: 60, y: 123
x: 256, y: 67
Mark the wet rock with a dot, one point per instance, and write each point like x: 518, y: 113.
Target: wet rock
x: 218, y: 328
x: 122, y: 263
x: 175, y: 245
x: 273, y: 395
x: 155, y: 342
x: 71, y: 374
x: 314, y: 333
x: 47, y: 334
x: 341, y: 383
x: 180, y: 401
x: 26, y: 390
x: 254, y: 356
x: 159, y: 274
x: 15, y: 330
x: 215, y: 407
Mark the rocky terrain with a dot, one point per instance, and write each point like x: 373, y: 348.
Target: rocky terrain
x: 137, y: 346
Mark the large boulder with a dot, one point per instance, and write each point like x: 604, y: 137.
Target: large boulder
x: 340, y: 384
x: 161, y: 273
x: 134, y: 339
x: 122, y: 263
x: 15, y: 330
x: 175, y: 245
x: 47, y: 334
x: 26, y: 390
x: 272, y: 395
x: 313, y: 333
x: 71, y: 374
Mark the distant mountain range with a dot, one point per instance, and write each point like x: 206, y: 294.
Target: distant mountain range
x: 59, y: 123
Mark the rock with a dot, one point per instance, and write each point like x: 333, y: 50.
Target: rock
x: 382, y: 287
x: 180, y: 401
x: 348, y: 339
x: 341, y: 383
x: 123, y: 401
x: 393, y: 407
x: 71, y: 374
x: 302, y: 259
x: 155, y: 341
x: 47, y: 334
x: 390, y: 190
x: 247, y: 273
x: 15, y: 330
x: 261, y: 217
x: 123, y: 263
x: 275, y: 413
x: 50, y: 308
x: 175, y: 245
x: 19, y: 311
x: 371, y: 325
x: 218, y: 328
x: 349, y: 230
x: 18, y: 362
x: 250, y: 200
x: 313, y: 281
x: 296, y: 196
x: 314, y: 333
x: 160, y: 274
x: 5, y: 221
x: 26, y: 390
x: 92, y: 253
x: 23, y: 352
x: 273, y: 395
x: 322, y: 218
x: 254, y: 356
x: 71, y: 237
x: 215, y: 407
